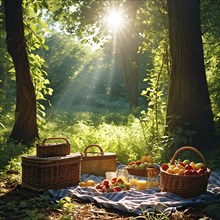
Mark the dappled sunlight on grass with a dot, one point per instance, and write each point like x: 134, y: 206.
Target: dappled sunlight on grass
x: 118, y: 132
x: 114, y: 132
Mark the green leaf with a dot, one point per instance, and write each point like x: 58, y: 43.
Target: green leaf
x: 23, y: 204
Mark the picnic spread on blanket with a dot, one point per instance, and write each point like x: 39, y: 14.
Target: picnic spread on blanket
x: 138, y: 186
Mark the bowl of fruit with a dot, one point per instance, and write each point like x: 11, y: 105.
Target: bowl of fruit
x: 115, y: 185
x: 144, y: 167
x: 185, y: 178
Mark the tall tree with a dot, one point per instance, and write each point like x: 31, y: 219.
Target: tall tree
x: 189, y: 107
x: 128, y: 44
x: 25, y: 126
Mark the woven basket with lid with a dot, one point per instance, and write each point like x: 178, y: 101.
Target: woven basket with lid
x: 41, y: 174
x: 97, y: 163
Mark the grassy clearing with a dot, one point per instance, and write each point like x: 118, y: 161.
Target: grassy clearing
x: 114, y: 132
x: 121, y: 133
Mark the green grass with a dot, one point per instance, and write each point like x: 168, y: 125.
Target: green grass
x: 119, y: 132
x: 114, y: 132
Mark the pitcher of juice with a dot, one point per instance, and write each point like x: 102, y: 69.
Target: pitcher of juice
x: 123, y: 174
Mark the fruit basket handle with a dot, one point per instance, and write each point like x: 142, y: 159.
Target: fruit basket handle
x: 187, y: 148
x: 55, y: 138
x: 101, y: 152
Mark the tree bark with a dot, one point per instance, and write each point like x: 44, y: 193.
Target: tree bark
x: 189, y: 104
x: 25, y: 126
x: 128, y: 49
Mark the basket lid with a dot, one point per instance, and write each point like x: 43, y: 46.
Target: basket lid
x: 97, y: 156
x: 35, y: 158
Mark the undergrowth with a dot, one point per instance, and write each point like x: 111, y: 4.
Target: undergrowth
x: 40, y: 207
x: 124, y: 133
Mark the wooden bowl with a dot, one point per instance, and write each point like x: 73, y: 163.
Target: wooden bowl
x: 147, y: 172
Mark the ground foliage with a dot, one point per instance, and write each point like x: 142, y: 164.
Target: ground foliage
x: 19, y: 203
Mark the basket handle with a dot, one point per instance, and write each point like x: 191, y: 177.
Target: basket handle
x: 56, y: 138
x: 187, y: 148
x: 101, y: 152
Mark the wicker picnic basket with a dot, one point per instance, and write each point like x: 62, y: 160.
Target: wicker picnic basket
x: 51, y: 149
x: 41, y: 174
x: 97, y: 163
x: 183, y: 185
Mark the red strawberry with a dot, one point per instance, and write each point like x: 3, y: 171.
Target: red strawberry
x: 102, y: 190
x: 98, y: 186
x: 114, y: 180
x: 120, y: 181
x: 117, y: 188
x: 105, y: 182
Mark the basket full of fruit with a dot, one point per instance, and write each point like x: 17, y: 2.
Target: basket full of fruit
x: 184, y: 178
x: 144, y: 167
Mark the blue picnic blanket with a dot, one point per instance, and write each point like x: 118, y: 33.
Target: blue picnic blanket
x: 135, y: 201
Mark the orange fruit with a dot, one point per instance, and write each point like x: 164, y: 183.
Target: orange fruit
x: 193, y: 165
x: 181, y: 172
x: 149, y: 159
x: 176, y: 170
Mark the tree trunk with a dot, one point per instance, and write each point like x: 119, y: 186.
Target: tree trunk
x: 128, y: 49
x: 129, y: 61
x: 189, y: 105
x: 25, y: 126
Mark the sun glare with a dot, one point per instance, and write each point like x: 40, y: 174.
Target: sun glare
x: 115, y: 20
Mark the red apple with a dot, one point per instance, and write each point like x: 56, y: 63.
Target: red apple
x: 188, y: 172
x: 182, y: 164
x: 138, y: 162
x: 204, y: 168
x: 164, y: 166
x: 188, y: 167
x: 194, y: 172
x: 201, y: 171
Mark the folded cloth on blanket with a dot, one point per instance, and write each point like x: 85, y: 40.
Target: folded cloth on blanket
x: 135, y: 201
